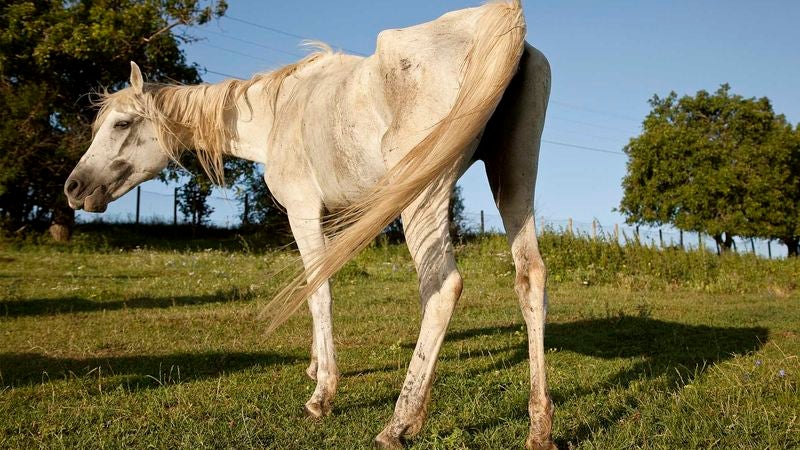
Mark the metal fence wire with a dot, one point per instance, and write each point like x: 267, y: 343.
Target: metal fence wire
x: 151, y: 207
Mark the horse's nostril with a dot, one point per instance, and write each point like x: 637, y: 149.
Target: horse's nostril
x: 73, y: 187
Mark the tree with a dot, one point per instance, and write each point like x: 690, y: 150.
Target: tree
x: 53, y: 53
x: 459, y: 225
x: 193, y: 201
x: 259, y: 207
x: 713, y: 163
x: 773, y: 197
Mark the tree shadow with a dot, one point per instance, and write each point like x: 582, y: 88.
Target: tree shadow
x: 67, y: 305
x: 671, y: 351
x: 136, y: 371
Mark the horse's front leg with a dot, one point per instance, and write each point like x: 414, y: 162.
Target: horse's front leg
x: 307, y: 230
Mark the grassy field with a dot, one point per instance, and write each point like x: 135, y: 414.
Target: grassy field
x: 103, y: 345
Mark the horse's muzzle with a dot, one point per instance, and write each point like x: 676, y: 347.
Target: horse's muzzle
x: 97, y: 201
x: 80, y: 197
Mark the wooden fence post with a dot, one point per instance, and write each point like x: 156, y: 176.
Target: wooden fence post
x: 753, y: 245
x: 594, y: 229
x: 483, y: 229
x: 138, y: 201
x: 616, y: 233
x: 681, y: 238
x: 660, y: 238
x: 246, y: 215
x: 175, y: 207
x: 769, y: 249
x: 569, y: 225
x: 700, y: 245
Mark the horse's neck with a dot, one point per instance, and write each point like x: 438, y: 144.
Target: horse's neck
x: 218, y: 120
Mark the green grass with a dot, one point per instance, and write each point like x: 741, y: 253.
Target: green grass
x: 107, y: 345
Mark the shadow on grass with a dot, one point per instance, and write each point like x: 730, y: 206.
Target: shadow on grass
x: 67, y: 305
x: 671, y: 353
x: 136, y: 371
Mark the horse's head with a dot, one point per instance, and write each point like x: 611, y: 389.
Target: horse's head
x: 125, y: 150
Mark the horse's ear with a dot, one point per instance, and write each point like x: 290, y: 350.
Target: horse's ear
x: 137, y: 82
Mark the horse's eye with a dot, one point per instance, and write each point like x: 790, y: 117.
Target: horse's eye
x: 122, y: 124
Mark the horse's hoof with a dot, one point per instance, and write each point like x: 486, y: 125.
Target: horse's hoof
x: 530, y: 444
x: 316, y: 410
x: 384, y: 440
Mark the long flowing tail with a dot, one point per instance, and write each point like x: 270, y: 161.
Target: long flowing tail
x: 487, y: 71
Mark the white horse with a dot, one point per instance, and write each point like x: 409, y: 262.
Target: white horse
x: 350, y: 143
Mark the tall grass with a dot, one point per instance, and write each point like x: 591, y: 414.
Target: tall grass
x: 602, y: 261
x: 570, y: 258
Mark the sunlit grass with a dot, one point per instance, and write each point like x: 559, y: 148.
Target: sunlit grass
x: 162, y: 348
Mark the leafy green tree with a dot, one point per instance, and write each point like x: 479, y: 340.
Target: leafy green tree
x: 52, y: 54
x: 714, y: 163
x: 193, y: 201
x: 772, y: 203
x: 459, y: 225
x: 260, y: 209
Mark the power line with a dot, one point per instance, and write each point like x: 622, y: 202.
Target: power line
x: 307, y: 38
x: 286, y: 33
x: 222, y: 74
x: 235, y: 52
x: 583, y: 147
x: 245, y: 41
x: 594, y: 111
x: 593, y: 136
x: 588, y: 124
x: 563, y: 144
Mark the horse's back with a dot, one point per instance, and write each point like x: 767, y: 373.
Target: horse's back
x: 357, y: 116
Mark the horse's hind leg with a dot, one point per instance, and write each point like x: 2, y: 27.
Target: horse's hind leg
x: 426, y: 227
x: 510, y: 151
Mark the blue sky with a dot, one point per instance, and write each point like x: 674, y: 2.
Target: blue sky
x: 608, y: 58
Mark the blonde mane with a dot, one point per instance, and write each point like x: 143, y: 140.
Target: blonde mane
x: 197, y: 117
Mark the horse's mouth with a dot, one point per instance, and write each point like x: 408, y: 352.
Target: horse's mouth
x: 97, y: 201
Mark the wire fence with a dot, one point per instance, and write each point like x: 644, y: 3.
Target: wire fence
x: 666, y: 237
x: 155, y: 207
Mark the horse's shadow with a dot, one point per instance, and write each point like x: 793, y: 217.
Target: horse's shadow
x: 134, y: 372
x: 676, y: 351
x: 74, y: 304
